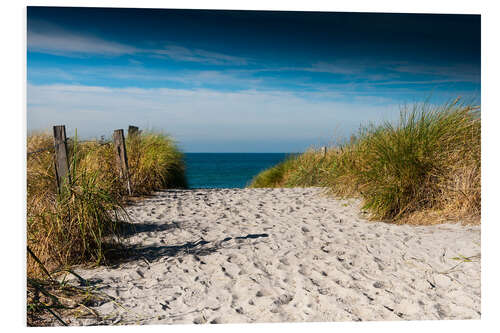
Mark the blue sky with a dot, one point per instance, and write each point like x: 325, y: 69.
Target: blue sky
x: 241, y: 81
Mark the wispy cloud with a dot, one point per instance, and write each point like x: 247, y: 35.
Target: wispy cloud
x: 412, y: 82
x: 387, y: 72
x: 139, y: 76
x: 52, y: 39
x: 48, y: 38
x: 198, y: 55
x: 455, y: 72
x: 338, y: 67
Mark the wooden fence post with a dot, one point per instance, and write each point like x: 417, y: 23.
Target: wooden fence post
x: 121, y: 157
x: 324, y: 151
x: 132, y: 131
x: 61, y: 157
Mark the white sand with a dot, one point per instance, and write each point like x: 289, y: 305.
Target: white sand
x: 300, y: 256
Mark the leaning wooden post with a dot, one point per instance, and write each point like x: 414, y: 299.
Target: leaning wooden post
x: 121, y: 157
x: 61, y: 157
x: 132, y: 131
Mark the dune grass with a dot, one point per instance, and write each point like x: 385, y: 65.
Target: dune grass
x: 274, y: 176
x: 68, y: 227
x: 77, y: 225
x: 423, y: 169
x: 155, y: 163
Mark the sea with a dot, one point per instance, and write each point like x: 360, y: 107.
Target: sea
x: 227, y: 170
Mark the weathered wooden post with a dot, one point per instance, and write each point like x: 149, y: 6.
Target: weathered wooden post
x: 132, y: 131
x: 121, y: 157
x: 323, y: 149
x: 61, y: 157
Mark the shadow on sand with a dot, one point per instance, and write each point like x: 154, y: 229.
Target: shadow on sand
x: 201, y: 247
x: 127, y: 229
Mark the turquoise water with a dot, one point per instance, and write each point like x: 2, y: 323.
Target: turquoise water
x: 227, y: 170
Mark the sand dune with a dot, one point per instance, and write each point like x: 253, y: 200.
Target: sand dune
x: 283, y: 255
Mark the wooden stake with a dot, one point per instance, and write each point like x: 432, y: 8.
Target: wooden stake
x: 132, y: 131
x: 324, y: 151
x: 121, y: 157
x: 61, y: 157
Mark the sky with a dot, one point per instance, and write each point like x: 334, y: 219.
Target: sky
x: 242, y: 81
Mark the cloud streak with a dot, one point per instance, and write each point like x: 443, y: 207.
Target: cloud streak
x: 455, y: 72
x: 388, y: 71
x: 48, y: 38
x: 197, y: 55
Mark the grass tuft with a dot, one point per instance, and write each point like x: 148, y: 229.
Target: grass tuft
x: 155, y: 163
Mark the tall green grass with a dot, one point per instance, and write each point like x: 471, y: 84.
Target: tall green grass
x: 77, y: 225
x: 274, y: 176
x: 422, y: 169
x: 155, y: 163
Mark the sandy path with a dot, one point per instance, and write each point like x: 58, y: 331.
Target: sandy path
x: 276, y: 255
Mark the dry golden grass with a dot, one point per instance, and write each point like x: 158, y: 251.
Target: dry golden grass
x: 69, y: 227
